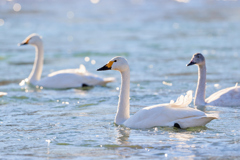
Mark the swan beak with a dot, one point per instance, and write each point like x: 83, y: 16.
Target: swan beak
x: 23, y: 43
x: 191, y: 63
x: 106, y: 67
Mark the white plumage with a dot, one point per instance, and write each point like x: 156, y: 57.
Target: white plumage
x: 68, y: 78
x: 225, y: 97
x: 3, y: 94
x: 167, y: 114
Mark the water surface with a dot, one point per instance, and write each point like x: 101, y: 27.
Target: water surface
x: 157, y: 37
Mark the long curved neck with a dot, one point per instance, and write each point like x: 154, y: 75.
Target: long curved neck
x: 201, y: 86
x: 36, y: 72
x: 123, y: 103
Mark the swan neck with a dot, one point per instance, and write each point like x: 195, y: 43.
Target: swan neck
x: 36, y: 72
x: 123, y: 103
x: 201, y: 86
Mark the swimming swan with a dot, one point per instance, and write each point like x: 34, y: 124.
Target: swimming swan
x: 225, y: 97
x: 3, y: 94
x: 69, y: 78
x: 176, y: 114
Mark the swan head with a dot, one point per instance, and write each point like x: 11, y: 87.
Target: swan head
x: 117, y: 63
x: 197, y: 59
x: 33, y: 39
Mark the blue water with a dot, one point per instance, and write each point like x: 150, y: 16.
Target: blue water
x: 157, y: 37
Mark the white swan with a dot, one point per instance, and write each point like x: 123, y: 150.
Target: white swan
x: 225, y: 97
x: 69, y: 78
x: 3, y: 94
x: 176, y: 114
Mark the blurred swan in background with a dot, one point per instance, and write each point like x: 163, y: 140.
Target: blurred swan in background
x: 3, y: 94
x: 171, y: 114
x: 69, y: 78
x: 225, y: 97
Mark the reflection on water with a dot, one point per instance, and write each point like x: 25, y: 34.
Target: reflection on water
x: 123, y: 135
x: 6, y: 82
x: 182, y: 136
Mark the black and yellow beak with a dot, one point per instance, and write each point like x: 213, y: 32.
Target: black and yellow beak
x: 106, y: 67
x: 191, y: 63
x: 24, y: 42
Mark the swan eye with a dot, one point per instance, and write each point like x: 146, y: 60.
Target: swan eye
x: 115, y: 60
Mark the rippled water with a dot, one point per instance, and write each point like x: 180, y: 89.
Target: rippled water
x: 157, y: 37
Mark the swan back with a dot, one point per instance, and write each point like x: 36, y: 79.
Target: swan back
x: 166, y: 115
x: 79, y: 71
x: 225, y: 97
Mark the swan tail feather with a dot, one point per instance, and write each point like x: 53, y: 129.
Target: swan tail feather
x: 213, y: 116
x: 182, y: 101
x: 82, y: 68
x: 195, y: 121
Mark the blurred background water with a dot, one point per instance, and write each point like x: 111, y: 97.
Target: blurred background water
x: 157, y: 37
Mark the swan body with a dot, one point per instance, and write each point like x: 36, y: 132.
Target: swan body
x: 3, y: 94
x: 225, y: 97
x: 68, y: 78
x: 167, y: 114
